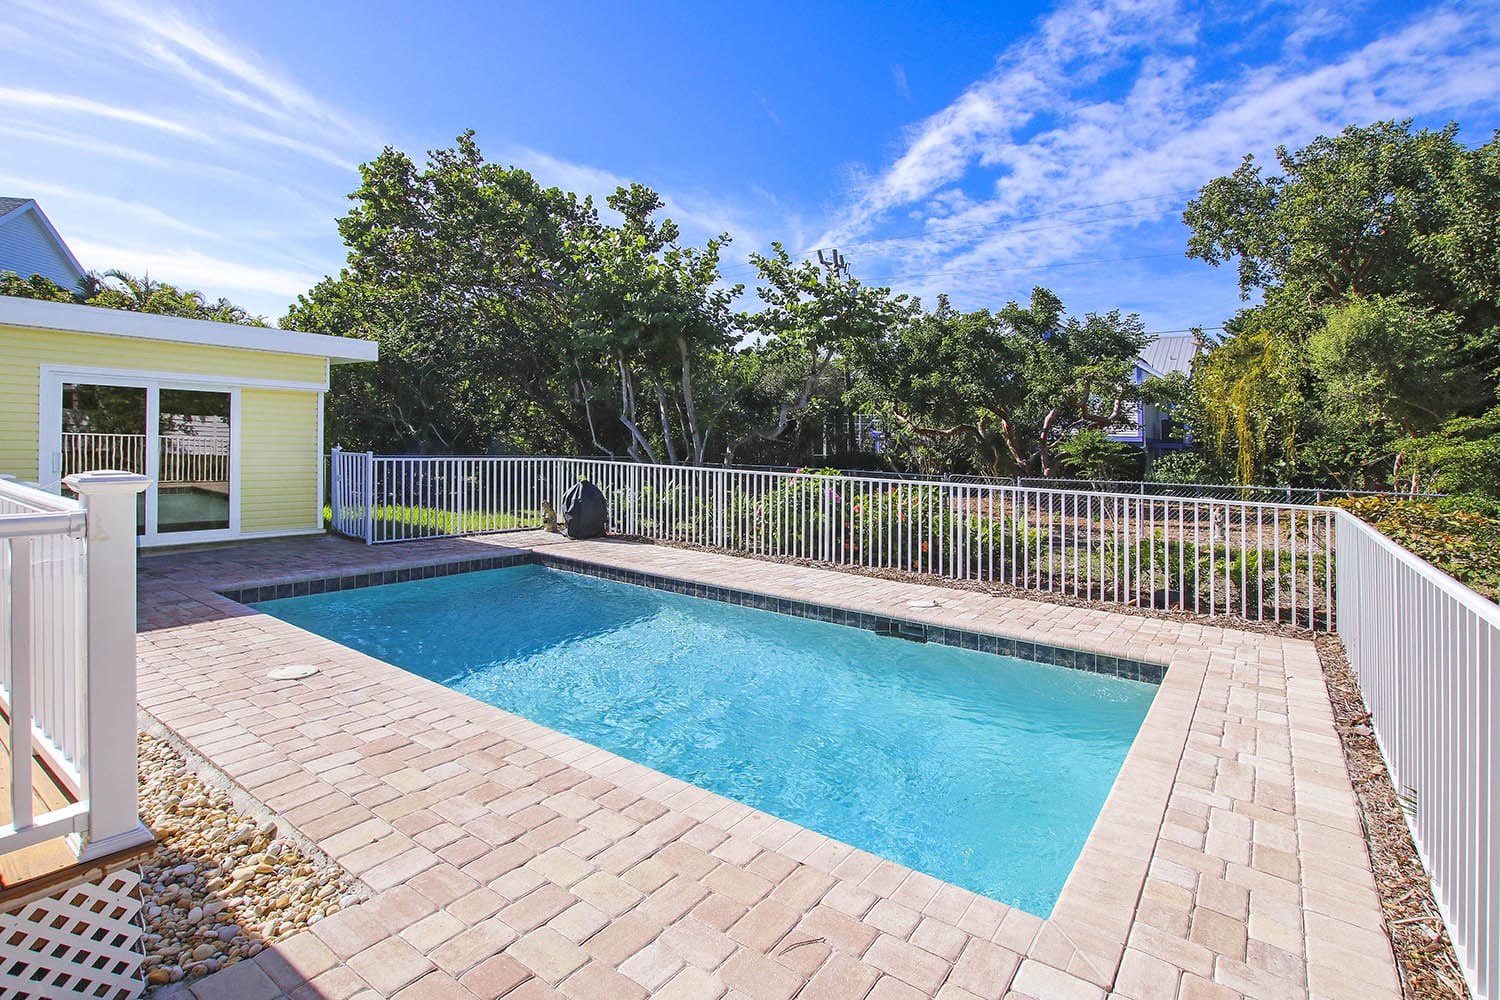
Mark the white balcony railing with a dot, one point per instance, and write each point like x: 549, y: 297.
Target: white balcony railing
x: 1426, y: 650
x: 67, y: 660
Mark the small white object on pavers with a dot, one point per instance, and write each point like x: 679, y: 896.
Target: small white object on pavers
x: 295, y: 672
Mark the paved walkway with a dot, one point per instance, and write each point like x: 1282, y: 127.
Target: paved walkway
x: 509, y: 860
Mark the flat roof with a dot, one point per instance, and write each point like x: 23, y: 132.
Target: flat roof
x: 73, y: 318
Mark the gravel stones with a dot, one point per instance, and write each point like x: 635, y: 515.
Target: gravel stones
x: 220, y: 886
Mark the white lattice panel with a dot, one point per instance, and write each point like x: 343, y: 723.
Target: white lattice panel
x: 83, y: 941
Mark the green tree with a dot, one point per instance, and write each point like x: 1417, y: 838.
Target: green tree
x: 1012, y: 384
x: 458, y: 268
x: 115, y: 289
x: 811, y: 320
x: 1379, y: 323
x: 651, y: 313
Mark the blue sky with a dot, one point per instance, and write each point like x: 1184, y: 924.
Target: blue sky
x: 976, y: 150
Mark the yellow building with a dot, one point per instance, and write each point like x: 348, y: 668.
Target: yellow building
x: 226, y: 420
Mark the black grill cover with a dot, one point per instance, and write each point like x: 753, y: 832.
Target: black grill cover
x: 585, y: 511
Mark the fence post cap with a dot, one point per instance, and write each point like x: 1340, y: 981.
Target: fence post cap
x: 104, y: 482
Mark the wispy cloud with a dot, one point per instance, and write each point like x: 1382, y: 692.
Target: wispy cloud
x: 70, y: 104
x: 898, y: 75
x: 1039, y: 138
x: 770, y: 111
x: 219, y: 168
x: 213, y: 275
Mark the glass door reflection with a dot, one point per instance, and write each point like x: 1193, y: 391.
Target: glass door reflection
x: 192, y: 491
x: 104, y: 427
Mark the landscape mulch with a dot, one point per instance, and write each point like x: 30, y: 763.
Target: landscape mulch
x: 1424, y: 954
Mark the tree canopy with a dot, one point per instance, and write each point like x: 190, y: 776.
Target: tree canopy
x: 1376, y: 257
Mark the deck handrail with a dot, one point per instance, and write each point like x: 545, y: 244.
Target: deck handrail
x: 67, y: 660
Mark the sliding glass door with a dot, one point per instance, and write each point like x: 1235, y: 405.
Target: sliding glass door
x: 181, y: 435
x: 192, y: 491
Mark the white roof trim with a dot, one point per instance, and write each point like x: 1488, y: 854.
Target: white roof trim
x: 1143, y: 366
x: 74, y: 318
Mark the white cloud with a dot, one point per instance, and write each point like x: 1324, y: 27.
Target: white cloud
x: 898, y: 76
x: 1042, y: 135
x: 190, y: 268
x: 18, y: 98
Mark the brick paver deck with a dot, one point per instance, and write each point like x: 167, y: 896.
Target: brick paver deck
x: 509, y: 860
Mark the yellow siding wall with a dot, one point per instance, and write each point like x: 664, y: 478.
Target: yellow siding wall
x: 280, y: 463
x: 279, y: 429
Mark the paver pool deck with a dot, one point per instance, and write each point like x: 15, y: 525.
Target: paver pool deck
x: 506, y: 859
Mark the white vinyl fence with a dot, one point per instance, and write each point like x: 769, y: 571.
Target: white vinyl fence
x: 1426, y: 650
x: 67, y: 659
x: 1256, y: 561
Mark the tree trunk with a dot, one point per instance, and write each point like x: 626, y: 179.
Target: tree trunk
x: 668, y: 435
x: 627, y: 415
x: 697, y: 440
x: 784, y: 412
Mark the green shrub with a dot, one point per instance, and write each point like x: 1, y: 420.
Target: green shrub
x: 1463, y: 544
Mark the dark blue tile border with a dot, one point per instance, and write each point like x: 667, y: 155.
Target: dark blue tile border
x: 252, y: 593
x: 1076, y: 659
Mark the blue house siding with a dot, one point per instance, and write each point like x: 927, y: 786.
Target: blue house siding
x: 28, y: 245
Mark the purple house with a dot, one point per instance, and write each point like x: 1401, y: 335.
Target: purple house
x: 1148, y: 426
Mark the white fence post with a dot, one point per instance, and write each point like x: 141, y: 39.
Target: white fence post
x: 333, y: 488
x: 369, y: 498
x: 110, y: 768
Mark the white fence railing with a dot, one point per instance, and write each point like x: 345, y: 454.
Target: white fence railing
x: 184, y: 458
x: 1426, y: 650
x: 1260, y: 562
x: 67, y: 660
x: 1215, y: 491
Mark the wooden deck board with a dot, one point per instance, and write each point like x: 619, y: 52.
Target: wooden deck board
x: 47, y: 793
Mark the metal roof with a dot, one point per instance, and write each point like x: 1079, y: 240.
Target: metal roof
x: 1165, y: 355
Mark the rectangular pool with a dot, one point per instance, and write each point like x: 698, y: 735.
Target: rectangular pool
x: 985, y: 771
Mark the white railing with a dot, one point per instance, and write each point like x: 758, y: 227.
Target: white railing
x: 1255, y: 561
x: 1216, y: 491
x: 1426, y: 650
x: 67, y: 660
x: 88, y: 450
x: 184, y: 458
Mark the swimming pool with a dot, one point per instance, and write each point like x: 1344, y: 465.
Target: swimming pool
x: 982, y: 770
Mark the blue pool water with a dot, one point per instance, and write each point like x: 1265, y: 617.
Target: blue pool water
x: 983, y: 770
